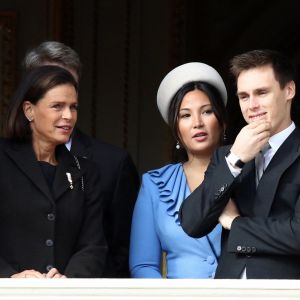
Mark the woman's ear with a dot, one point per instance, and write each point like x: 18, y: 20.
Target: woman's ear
x: 28, y: 110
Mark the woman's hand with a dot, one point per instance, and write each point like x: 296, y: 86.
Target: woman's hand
x: 28, y: 274
x: 54, y: 273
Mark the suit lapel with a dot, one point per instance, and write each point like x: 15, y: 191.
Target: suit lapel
x: 23, y: 156
x: 285, y: 156
x: 66, y: 164
x: 80, y: 144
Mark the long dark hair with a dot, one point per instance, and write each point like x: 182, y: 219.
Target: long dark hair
x: 218, y: 107
x: 35, y: 84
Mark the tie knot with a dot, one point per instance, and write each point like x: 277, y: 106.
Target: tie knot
x: 265, y: 148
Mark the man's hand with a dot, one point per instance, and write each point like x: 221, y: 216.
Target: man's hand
x: 251, y: 140
x: 54, y: 273
x: 28, y: 274
x: 229, y: 213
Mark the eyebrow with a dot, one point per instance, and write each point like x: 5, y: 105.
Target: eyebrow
x: 203, y: 106
x: 255, y: 91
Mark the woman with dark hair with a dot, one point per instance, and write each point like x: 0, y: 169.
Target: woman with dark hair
x: 51, y: 207
x: 191, y: 99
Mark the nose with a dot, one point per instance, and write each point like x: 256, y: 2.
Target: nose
x: 197, y: 120
x: 253, y: 102
x: 67, y: 114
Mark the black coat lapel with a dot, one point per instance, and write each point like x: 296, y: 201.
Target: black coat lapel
x: 288, y: 152
x: 23, y: 156
x: 66, y: 164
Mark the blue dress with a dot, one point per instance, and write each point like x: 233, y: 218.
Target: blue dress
x: 156, y: 228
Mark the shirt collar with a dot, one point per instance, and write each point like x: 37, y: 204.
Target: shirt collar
x: 277, y: 139
x: 69, y: 144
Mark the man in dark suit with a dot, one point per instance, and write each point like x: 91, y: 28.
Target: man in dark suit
x: 253, y: 187
x: 119, y: 177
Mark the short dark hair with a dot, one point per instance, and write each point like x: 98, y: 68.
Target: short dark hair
x: 53, y: 52
x: 218, y: 108
x: 284, y: 71
x: 34, y: 85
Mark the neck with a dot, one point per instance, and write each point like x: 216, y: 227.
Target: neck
x: 194, y: 170
x: 198, y: 161
x: 44, y: 151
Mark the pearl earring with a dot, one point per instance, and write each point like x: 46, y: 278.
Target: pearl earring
x: 177, y: 145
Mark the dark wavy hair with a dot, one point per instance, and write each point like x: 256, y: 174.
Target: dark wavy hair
x: 218, y: 107
x: 284, y: 71
x: 34, y: 85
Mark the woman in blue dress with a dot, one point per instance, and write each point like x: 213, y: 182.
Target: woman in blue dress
x: 191, y: 99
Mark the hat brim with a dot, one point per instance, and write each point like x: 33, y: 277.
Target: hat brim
x: 181, y: 75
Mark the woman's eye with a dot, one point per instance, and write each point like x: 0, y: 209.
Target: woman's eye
x: 57, y: 106
x: 207, y: 111
x: 184, y: 116
x: 74, y: 107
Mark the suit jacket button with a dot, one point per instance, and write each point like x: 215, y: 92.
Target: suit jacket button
x: 49, y: 243
x: 249, y: 250
x: 51, y: 217
x: 239, y: 248
x: 253, y: 249
x: 243, y: 249
x: 210, y: 260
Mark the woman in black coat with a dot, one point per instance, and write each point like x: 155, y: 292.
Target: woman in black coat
x: 50, y: 201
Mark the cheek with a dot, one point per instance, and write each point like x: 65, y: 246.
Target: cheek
x: 215, y: 128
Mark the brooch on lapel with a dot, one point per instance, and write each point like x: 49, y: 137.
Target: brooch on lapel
x: 69, y: 177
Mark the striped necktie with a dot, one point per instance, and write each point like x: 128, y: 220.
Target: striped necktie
x: 260, y: 162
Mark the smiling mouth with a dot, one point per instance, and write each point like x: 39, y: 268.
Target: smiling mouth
x: 259, y: 116
x: 65, y: 128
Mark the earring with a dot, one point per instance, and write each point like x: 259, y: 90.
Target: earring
x: 29, y: 120
x: 224, y: 136
x: 177, y: 145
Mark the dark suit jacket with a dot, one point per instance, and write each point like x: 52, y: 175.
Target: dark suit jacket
x: 119, y: 183
x: 266, y: 238
x: 40, y: 227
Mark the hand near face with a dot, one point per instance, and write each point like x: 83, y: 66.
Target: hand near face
x: 229, y: 213
x: 251, y: 140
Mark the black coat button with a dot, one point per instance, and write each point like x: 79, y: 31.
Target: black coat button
x: 51, y: 217
x: 239, y: 248
x: 49, y: 243
x: 248, y: 249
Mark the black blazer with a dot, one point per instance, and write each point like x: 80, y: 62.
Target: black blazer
x: 119, y: 184
x: 266, y: 238
x: 42, y: 227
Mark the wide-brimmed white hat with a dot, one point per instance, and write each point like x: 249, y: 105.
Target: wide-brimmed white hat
x: 181, y: 75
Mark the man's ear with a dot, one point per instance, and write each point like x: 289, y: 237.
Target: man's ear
x: 290, y: 90
x: 28, y: 110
